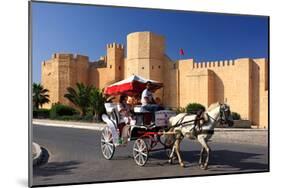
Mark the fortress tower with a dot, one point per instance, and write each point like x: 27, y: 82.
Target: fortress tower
x: 145, y: 55
x: 115, y: 61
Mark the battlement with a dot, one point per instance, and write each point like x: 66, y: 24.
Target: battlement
x: 70, y: 56
x: 209, y: 64
x: 115, y: 45
x: 98, y: 64
x: 62, y: 56
x: 81, y: 57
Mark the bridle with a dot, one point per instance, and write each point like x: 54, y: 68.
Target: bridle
x: 222, y: 113
x: 223, y: 109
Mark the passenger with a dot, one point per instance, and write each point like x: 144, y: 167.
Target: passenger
x: 147, y: 100
x: 124, y: 109
x: 130, y: 101
x: 133, y: 100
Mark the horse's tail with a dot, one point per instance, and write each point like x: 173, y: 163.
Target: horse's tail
x: 169, y: 136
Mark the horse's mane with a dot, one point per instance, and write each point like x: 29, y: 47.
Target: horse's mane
x: 212, y: 106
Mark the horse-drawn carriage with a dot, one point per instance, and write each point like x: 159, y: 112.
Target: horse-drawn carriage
x: 146, y: 136
x: 168, y: 129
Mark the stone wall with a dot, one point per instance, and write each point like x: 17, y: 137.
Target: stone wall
x: 208, y: 82
x: 242, y: 83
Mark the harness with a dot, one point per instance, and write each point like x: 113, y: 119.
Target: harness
x: 183, y: 124
x: 196, y: 132
x: 196, y: 120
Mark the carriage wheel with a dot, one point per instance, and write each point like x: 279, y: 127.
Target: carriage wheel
x: 107, y: 146
x: 140, y: 152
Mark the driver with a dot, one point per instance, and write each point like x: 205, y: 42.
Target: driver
x: 147, y: 100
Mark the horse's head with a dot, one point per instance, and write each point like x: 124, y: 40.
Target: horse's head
x: 225, y: 115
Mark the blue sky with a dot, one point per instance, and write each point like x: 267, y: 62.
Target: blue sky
x: 87, y: 29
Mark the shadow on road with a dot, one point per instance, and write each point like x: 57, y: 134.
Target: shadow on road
x: 222, y: 160
x: 43, y: 159
x: 55, y: 168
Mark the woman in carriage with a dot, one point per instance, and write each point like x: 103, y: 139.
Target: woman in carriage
x: 124, y: 110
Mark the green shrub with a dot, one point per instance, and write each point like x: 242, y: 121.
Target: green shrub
x: 180, y: 110
x: 235, y: 116
x: 192, y: 108
x: 86, y: 118
x: 41, y: 113
x: 68, y: 118
x: 58, y: 110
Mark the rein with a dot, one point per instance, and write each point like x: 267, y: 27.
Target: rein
x: 211, y: 117
x: 183, y: 124
x: 180, y: 123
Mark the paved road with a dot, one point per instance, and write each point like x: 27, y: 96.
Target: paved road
x: 75, y: 157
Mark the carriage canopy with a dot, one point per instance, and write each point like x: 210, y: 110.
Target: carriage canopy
x: 131, y: 86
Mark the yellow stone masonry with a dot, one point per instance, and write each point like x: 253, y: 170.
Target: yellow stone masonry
x: 242, y: 83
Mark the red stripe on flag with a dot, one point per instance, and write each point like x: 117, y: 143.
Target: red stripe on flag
x: 181, y: 52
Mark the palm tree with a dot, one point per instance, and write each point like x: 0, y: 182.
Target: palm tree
x: 80, y: 97
x: 39, y: 95
x: 97, y: 102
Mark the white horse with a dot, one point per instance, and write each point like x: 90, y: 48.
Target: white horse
x: 182, y: 125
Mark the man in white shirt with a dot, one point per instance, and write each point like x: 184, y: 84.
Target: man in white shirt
x: 147, y: 100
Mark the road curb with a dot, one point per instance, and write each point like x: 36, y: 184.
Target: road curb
x: 38, y: 153
x: 96, y: 127
x: 239, y: 129
x: 100, y: 126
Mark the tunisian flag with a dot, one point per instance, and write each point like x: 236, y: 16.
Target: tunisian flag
x: 131, y: 86
x: 181, y: 51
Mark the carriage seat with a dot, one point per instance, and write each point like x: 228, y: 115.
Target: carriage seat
x: 139, y: 109
x: 109, y: 107
x: 112, y: 111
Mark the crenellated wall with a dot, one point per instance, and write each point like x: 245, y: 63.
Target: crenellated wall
x: 242, y: 83
x: 62, y: 71
x: 214, y: 64
x: 113, y: 70
x: 208, y: 82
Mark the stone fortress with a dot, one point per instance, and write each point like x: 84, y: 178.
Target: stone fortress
x: 242, y: 83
